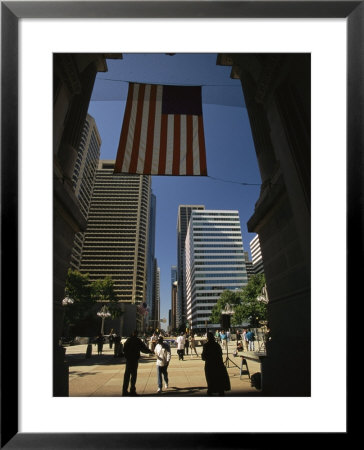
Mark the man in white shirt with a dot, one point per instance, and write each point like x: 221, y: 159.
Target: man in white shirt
x: 181, y: 346
x: 163, y: 353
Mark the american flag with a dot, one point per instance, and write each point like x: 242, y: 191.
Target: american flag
x: 162, y: 132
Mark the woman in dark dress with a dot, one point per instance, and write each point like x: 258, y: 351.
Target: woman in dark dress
x: 216, y: 374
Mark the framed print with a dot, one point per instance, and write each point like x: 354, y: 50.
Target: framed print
x: 26, y: 327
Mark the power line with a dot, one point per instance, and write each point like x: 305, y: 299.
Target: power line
x: 234, y: 182
x: 169, y: 84
x: 242, y: 183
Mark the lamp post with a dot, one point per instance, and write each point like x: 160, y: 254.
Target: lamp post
x: 103, y: 313
x: 67, y: 301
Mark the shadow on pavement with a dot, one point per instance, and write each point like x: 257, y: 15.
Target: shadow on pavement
x: 79, y: 359
x: 177, y: 392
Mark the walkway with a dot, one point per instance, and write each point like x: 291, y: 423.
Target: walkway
x: 102, y: 375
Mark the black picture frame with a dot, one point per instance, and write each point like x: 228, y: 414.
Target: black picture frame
x: 11, y: 13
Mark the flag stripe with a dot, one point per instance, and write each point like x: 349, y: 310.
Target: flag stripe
x: 176, y: 144
x: 151, y: 124
x: 144, y: 130
x: 163, y: 145
x: 131, y: 130
x: 157, y: 130
x: 170, y: 144
x: 195, y: 148
x: 201, y: 143
x: 182, y: 159
x: 138, y: 126
x: 189, y: 156
x: 124, y: 131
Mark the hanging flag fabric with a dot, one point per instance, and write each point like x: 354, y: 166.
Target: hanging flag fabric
x: 162, y: 132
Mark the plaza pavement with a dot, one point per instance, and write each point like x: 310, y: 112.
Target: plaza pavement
x: 102, y: 375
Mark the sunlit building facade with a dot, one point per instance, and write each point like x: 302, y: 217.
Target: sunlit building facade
x: 83, y: 179
x: 184, y: 214
x: 214, y: 261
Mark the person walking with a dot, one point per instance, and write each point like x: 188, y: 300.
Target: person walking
x: 216, y: 374
x: 153, y: 341
x: 228, y: 337
x: 163, y: 353
x: 132, y: 348
x: 250, y: 338
x: 217, y: 336
x: 223, y: 338
x: 111, y: 338
x: 238, y: 337
x: 193, y: 344
x: 180, y: 346
x: 245, y: 340
x: 118, y: 347
x: 100, y: 343
x: 187, y: 343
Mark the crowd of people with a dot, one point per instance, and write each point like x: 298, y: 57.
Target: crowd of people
x: 212, y: 353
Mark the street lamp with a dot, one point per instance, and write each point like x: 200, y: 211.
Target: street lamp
x: 103, y: 313
x: 67, y: 301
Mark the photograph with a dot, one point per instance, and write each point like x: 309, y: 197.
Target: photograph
x: 178, y: 250
x: 187, y: 265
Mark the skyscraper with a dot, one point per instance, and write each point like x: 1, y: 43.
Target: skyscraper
x: 156, y: 296
x: 214, y: 261
x: 256, y: 255
x: 172, y: 321
x: 116, y: 238
x: 150, y: 295
x: 184, y: 213
x: 83, y: 178
x: 248, y: 265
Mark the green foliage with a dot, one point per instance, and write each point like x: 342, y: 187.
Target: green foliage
x: 86, y: 295
x: 79, y: 289
x: 231, y: 297
x: 244, y: 302
x: 250, y: 309
x: 103, y: 290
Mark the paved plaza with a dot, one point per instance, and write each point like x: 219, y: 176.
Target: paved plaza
x: 102, y: 375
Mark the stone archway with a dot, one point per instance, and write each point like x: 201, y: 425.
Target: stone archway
x: 277, y: 90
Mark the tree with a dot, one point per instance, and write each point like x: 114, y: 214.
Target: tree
x: 231, y: 297
x: 81, y: 315
x: 250, y: 308
x: 103, y: 291
x: 79, y: 289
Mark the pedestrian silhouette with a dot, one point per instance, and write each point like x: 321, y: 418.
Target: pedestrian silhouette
x: 118, y: 347
x: 132, y: 348
x: 181, y: 346
x: 193, y: 344
x: 216, y: 374
x: 100, y: 343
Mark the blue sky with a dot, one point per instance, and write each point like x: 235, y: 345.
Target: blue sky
x: 229, y: 146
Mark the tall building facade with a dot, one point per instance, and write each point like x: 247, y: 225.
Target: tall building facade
x: 83, y: 179
x: 116, y: 237
x: 156, y: 297
x: 256, y: 253
x: 184, y: 214
x: 172, y: 322
x: 214, y: 261
x: 248, y: 265
x: 150, y: 296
